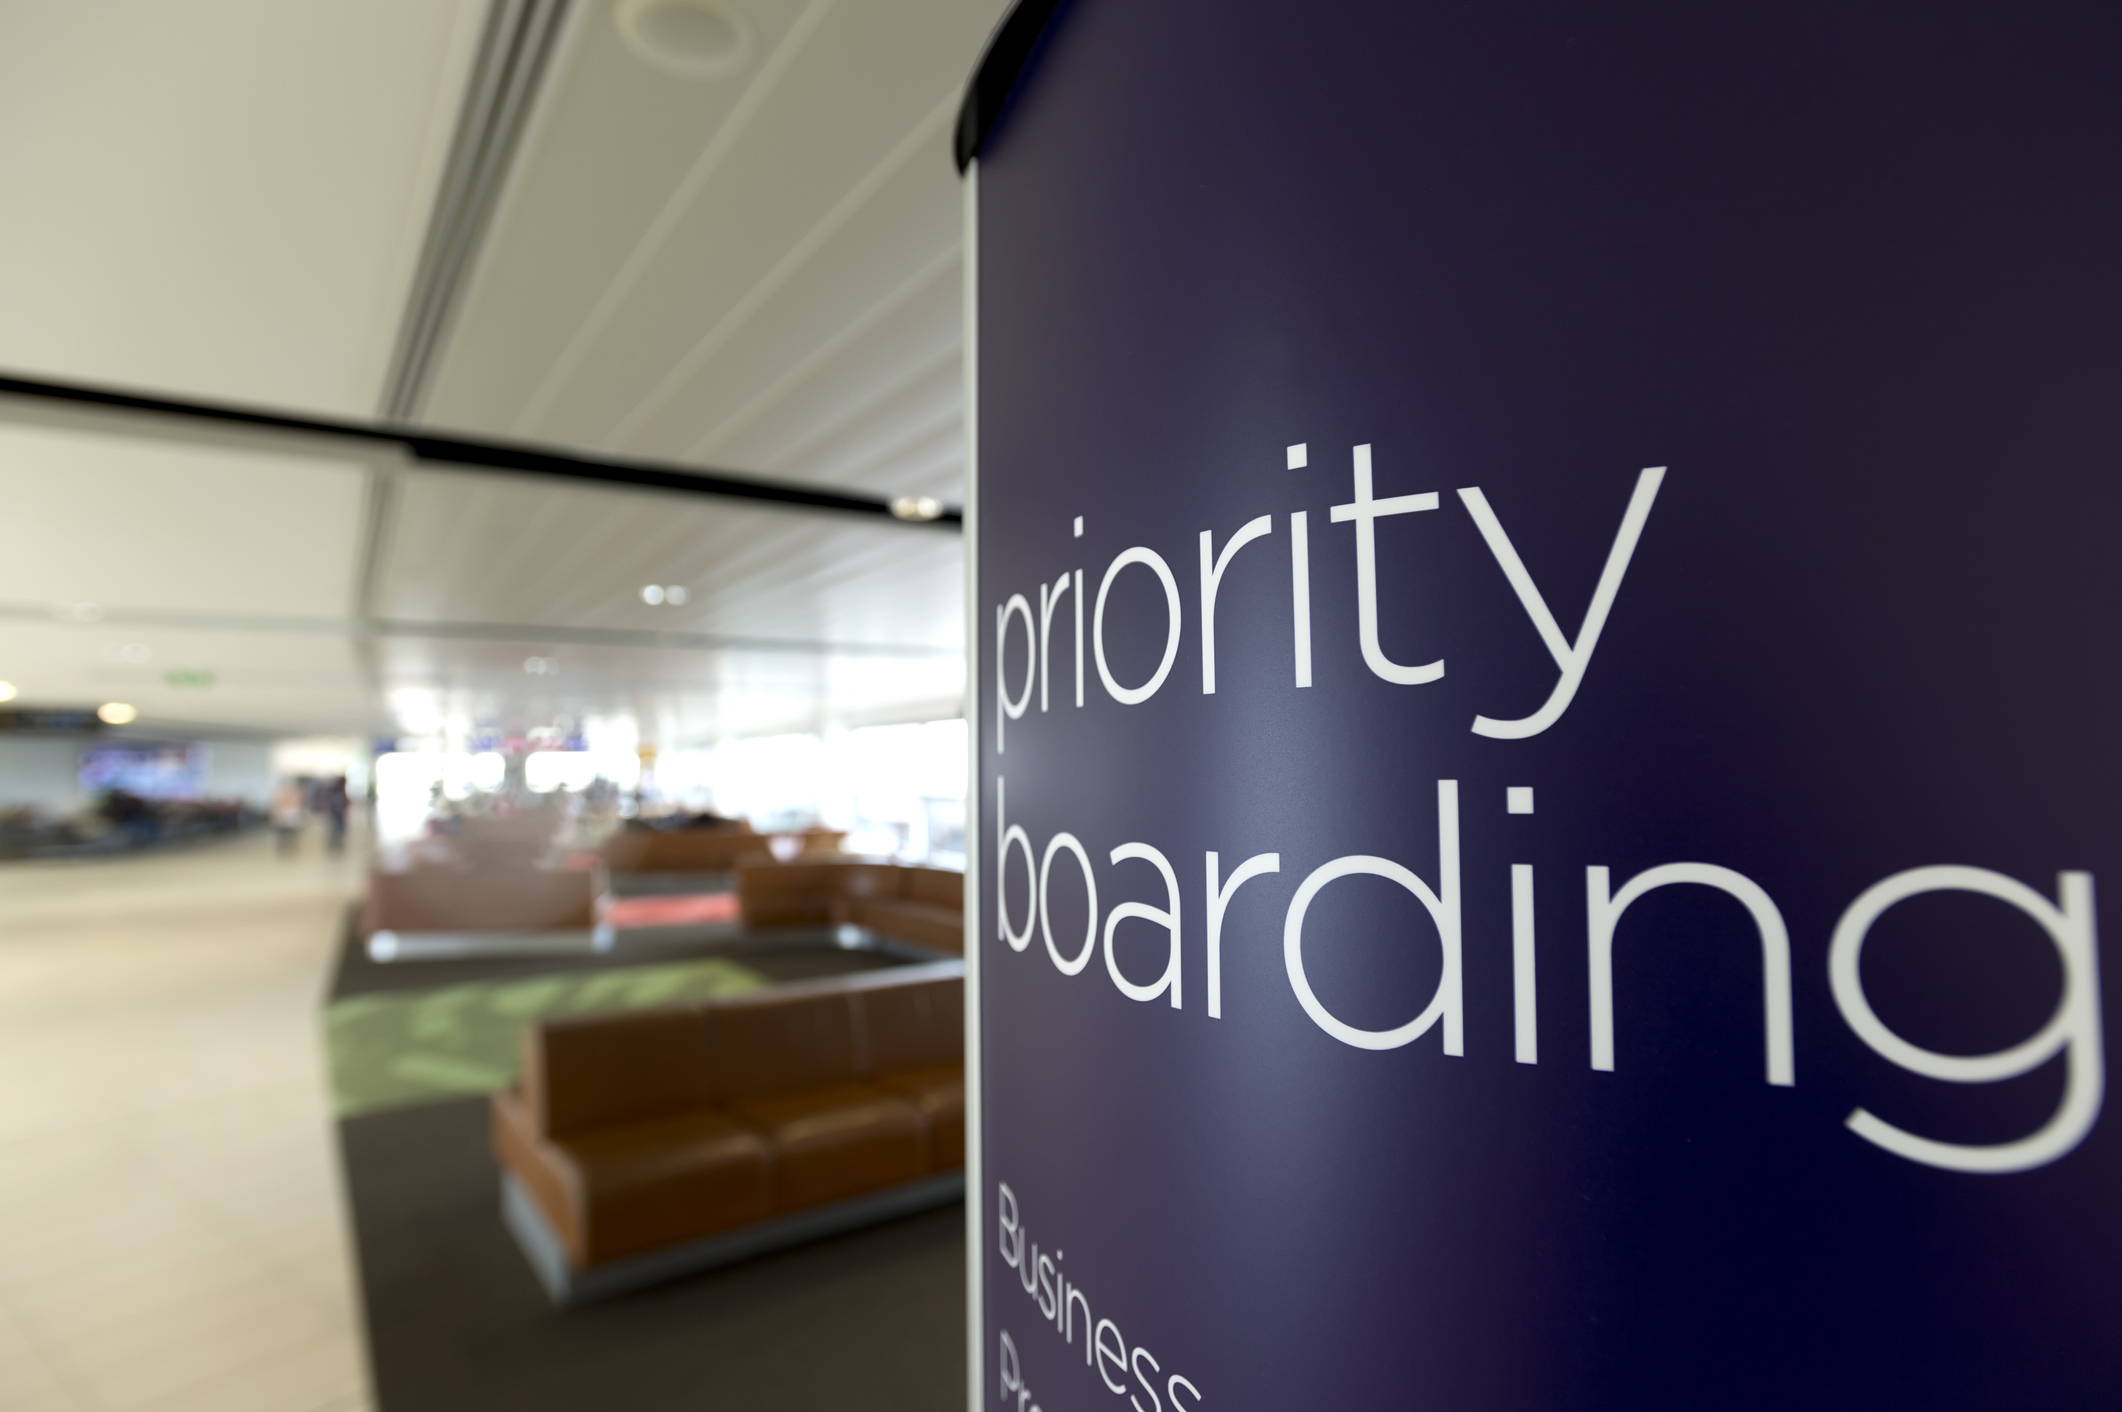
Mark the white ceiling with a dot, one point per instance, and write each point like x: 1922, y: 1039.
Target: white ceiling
x: 754, y: 270
x: 221, y: 198
x: 757, y: 270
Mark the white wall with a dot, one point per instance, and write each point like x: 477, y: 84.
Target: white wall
x: 40, y: 770
x: 240, y: 769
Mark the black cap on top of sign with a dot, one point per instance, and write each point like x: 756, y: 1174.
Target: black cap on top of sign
x: 1009, y: 53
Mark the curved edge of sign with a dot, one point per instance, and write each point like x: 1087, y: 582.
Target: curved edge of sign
x: 1009, y: 53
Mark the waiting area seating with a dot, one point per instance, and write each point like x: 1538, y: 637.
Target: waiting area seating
x: 491, y: 886
x: 925, y: 906
x: 636, y: 1147
x: 693, y: 850
x: 448, y: 900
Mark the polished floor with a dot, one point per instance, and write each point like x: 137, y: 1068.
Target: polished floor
x: 171, y: 1230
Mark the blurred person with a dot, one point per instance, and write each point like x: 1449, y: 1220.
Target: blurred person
x: 289, y: 813
x: 332, y: 796
x: 132, y: 816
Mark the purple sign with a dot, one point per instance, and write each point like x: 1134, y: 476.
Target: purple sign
x: 1545, y: 605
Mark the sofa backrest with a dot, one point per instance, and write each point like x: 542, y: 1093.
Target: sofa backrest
x: 453, y: 900
x: 779, y: 1043
x: 918, y: 1026
x: 682, y: 850
x: 939, y: 887
x: 804, y: 894
x: 607, y: 1070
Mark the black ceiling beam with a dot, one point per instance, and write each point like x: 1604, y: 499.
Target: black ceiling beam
x: 515, y: 457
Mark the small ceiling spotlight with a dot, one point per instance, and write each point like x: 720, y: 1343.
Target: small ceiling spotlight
x: 541, y: 666
x: 917, y: 507
x: 116, y: 713
x: 671, y: 593
x: 652, y: 594
x: 7, y: 691
x: 135, y: 652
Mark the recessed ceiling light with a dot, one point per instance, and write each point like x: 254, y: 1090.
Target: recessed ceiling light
x: 917, y: 507
x: 116, y: 713
x: 675, y: 593
x: 692, y: 38
x: 652, y: 594
x: 7, y: 691
x: 541, y: 666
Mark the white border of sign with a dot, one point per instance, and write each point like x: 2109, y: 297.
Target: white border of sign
x: 975, y: 1246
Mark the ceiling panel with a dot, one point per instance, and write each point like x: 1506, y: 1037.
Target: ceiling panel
x: 220, y: 197
x: 135, y: 524
x: 914, y: 337
x: 499, y: 550
x: 821, y: 204
x: 611, y: 148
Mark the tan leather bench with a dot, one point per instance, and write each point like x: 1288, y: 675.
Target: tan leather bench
x: 925, y: 906
x: 642, y: 1145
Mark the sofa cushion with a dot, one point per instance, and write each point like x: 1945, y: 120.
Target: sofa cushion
x: 612, y: 1070
x: 837, y: 1142
x: 660, y: 1183
x: 939, y: 1094
x: 777, y: 1044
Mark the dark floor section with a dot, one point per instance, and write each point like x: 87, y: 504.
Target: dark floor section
x: 874, y: 1320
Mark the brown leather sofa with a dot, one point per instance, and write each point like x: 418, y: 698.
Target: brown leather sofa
x: 925, y: 906
x: 643, y: 1145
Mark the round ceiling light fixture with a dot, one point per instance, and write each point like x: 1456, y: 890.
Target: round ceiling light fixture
x: 7, y: 691
x: 116, y: 713
x: 917, y: 507
x: 691, y: 38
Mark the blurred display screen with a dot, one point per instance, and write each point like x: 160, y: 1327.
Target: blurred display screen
x: 150, y: 771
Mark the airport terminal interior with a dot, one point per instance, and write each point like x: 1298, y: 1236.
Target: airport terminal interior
x: 482, y: 704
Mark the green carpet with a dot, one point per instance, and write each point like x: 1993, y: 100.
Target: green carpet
x: 399, y: 1049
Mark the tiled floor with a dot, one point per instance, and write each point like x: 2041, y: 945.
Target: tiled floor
x: 171, y: 1231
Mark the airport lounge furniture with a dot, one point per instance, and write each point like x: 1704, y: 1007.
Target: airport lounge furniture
x: 925, y: 906
x: 642, y: 1146
x: 694, y: 850
x: 429, y: 911
x: 712, y: 850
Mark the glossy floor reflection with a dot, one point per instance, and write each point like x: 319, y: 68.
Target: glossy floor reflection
x: 171, y: 1231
